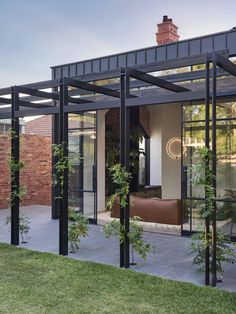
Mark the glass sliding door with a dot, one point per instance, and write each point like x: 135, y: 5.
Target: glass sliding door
x: 82, y: 151
x: 193, y: 138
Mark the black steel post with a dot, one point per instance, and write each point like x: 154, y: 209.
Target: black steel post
x: 207, y: 145
x: 63, y: 140
x: 122, y: 153
x: 15, y: 172
x: 81, y: 171
x: 214, y: 153
x: 126, y: 165
x: 124, y: 160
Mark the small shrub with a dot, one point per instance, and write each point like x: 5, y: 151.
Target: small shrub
x: 78, y: 227
x: 137, y: 243
x: 224, y: 250
x: 24, y: 226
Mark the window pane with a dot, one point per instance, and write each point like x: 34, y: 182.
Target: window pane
x: 226, y: 159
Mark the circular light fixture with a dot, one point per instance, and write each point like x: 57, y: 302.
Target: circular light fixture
x: 173, y: 148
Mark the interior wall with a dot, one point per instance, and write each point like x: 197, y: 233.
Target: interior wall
x: 165, y: 123
x: 101, y: 160
x: 155, y: 146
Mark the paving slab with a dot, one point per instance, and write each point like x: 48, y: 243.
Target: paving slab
x: 169, y: 259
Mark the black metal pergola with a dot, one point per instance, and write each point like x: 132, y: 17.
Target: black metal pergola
x: 68, y: 96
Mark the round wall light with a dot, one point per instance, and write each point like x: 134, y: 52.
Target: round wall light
x: 173, y: 148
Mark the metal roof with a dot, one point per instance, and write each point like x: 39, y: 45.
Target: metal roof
x: 141, y: 58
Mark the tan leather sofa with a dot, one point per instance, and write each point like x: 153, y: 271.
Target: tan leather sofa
x: 152, y: 210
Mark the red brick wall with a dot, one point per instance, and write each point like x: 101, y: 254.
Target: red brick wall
x: 4, y: 173
x: 36, y: 176
x: 113, y: 118
x: 40, y: 126
x: 144, y: 119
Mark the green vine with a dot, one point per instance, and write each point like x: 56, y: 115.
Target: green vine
x: 224, y: 250
x: 78, y: 227
x: 202, y: 176
x: 141, y: 247
x: 24, y: 226
x: 17, y: 193
x: 16, y: 166
x: 63, y: 163
x: 121, y: 178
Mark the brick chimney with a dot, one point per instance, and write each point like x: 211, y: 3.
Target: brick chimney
x: 167, y: 31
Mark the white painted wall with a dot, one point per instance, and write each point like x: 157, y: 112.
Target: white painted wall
x: 165, y: 123
x: 101, y: 160
x: 155, y: 146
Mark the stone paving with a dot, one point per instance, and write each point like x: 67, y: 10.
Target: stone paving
x: 169, y: 259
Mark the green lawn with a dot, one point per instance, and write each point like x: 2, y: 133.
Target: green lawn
x: 32, y: 282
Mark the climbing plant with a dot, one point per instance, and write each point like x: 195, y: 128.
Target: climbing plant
x: 24, y: 226
x: 78, y: 227
x: 202, y: 176
x: 121, y: 179
x: 64, y: 162
x: 137, y: 243
x: 18, y: 192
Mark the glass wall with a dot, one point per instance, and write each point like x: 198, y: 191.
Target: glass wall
x: 193, y: 138
x: 82, y: 151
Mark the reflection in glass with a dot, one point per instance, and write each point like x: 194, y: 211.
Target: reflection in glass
x: 226, y: 159
x: 82, y: 139
x: 193, y: 138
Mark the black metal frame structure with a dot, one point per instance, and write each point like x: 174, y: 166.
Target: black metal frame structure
x: 63, y: 100
x: 218, y: 63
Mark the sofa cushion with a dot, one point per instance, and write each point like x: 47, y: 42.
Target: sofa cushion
x: 152, y: 210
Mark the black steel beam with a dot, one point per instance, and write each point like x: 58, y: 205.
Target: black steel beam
x: 93, y: 88
x: 35, y: 105
x: 38, y: 93
x: 79, y: 100
x: 5, y: 101
x: 144, y: 77
x: 178, y: 77
x: 224, y: 64
x: 15, y: 171
x: 36, y: 85
x: 130, y: 102
x: 35, y: 112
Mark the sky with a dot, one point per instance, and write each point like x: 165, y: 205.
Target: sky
x: 37, y: 34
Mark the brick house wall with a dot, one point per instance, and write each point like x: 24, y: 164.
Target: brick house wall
x: 113, y: 119
x: 41, y: 126
x: 36, y: 176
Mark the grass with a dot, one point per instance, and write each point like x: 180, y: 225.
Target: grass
x: 32, y: 282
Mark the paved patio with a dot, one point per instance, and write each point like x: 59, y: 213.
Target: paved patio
x: 170, y: 258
